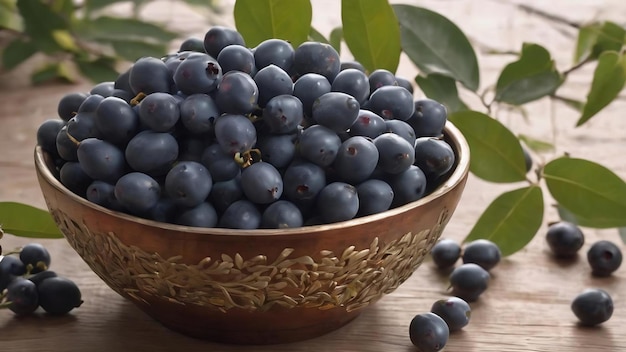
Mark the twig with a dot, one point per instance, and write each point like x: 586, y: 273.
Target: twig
x: 582, y: 63
x: 549, y: 16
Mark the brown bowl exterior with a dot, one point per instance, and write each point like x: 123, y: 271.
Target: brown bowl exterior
x: 255, y: 286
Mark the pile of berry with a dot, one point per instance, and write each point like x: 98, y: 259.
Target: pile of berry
x: 26, y: 283
x: 222, y: 135
x: 430, y: 331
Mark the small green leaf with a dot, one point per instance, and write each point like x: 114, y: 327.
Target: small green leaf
x: 258, y: 20
x: 608, y: 81
x: 436, y: 45
x: 132, y: 50
x: 536, y: 145
x: 336, y: 36
x: 114, y: 28
x: 26, y: 221
x: 9, y: 16
x: 40, y: 22
x: 16, y: 52
x: 511, y: 220
x: 531, y: 77
x: 593, y: 193
x: 65, y: 40
x: 572, y: 103
x: 371, y: 32
x: 587, y: 37
x: 442, y: 89
x: 497, y: 155
x: 596, y: 38
x: 581, y: 220
x: 99, y: 70
x: 52, y: 72
x: 610, y: 38
x: 315, y: 35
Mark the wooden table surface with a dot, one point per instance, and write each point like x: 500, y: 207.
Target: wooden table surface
x: 526, y: 307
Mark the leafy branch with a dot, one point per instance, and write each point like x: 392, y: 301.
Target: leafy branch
x: 79, y: 38
x: 447, y: 62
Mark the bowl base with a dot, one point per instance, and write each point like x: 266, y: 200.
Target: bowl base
x: 241, y: 327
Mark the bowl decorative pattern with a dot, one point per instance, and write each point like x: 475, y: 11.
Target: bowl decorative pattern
x: 352, y: 279
x: 255, y: 286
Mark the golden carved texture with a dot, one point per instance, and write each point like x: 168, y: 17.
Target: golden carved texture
x: 352, y: 279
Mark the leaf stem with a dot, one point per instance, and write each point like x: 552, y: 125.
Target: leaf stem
x: 548, y: 16
x: 582, y: 63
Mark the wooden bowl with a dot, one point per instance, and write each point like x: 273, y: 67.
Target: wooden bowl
x: 255, y: 286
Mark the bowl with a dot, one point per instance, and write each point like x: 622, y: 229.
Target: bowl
x: 255, y: 286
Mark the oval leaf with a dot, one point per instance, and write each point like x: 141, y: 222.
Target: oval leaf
x: 442, y: 89
x: 371, y: 32
x: 511, y: 220
x: 596, y: 38
x: 335, y: 38
x: 497, y: 155
x: 531, y: 77
x: 437, y: 45
x: 26, y: 221
x: 593, y: 193
x: 17, y: 52
x: 608, y: 81
x: 99, y: 70
x: 258, y: 20
x: 104, y: 27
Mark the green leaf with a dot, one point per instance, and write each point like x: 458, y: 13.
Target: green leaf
x: 258, y: 20
x: 9, y: 16
x: 26, y: 221
x: 315, y: 35
x: 593, y: 193
x: 608, y: 81
x: 535, y: 144
x: 65, y: 40
x: 114, y: 28
x: 572, y: 103
x: 99, y: 70
x: 531, y: 77
x: 581, y: 220
x: 587, y: 37
x: 132, y: 50
x: 596, y: 38
x: 40, y: 22
x: 17, y: 52
x: 442, y: 89
x: 371, y: 32
x: 511, y: 220
x: 52, y: 72
x: 496, y: 154
x: 336, y: 36
x: 436, y: 45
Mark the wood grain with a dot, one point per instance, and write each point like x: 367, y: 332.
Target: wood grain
x: 526, y: 308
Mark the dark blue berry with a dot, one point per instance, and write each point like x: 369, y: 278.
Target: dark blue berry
x: 445, y: 253
x: 482, y: 252
x: 36, y: 255
x: 564, y: 239
x: 454, y: 311
x: 592, y: 307
x: 428, y: 332
x: 604, y: 257
x: 469, y: 281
